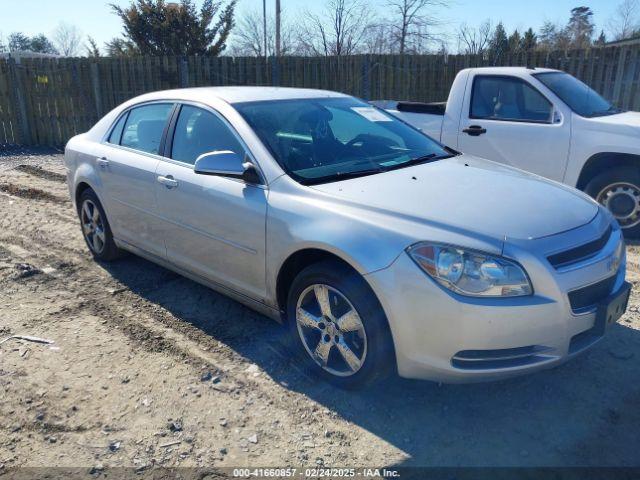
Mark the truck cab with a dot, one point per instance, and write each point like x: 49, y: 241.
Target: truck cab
x: 543, y: 121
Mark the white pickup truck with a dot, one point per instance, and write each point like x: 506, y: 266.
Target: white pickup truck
x: 543, y: 121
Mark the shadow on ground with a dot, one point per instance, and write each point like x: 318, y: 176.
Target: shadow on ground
x: 586, y: 412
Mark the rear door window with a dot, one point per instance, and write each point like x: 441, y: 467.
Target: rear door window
x: 508, y: 98
x: 144, y: 126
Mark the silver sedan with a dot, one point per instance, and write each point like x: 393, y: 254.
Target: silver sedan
x: 379, y: 248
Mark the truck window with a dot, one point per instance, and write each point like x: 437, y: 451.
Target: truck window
x: 508, y: 98
x: 581, y: 99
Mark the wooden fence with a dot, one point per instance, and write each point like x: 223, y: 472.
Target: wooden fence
x: 46, y: 101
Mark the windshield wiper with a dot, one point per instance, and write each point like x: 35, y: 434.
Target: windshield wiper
x: 372, y: 171
x: 421, y: 159
x: 344, y: 176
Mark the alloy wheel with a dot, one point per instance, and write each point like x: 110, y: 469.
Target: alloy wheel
x: 331, y: 330
x: 92, y: 226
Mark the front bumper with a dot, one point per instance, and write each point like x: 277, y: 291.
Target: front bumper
x: 442, y: 336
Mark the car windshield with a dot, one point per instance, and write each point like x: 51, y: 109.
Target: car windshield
x: 581, y: 98
x: 321, y: 140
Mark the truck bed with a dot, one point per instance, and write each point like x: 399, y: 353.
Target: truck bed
x: 433, y: 108
x: 427, y: 117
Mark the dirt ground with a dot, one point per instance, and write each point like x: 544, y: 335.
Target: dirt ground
x: 149, y: 368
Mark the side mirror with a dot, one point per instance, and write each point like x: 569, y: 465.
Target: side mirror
x: 225, y: 163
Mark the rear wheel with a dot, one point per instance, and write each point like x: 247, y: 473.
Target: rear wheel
x: 619, y: 191
x: 95, y: 227
x: 338, y: 327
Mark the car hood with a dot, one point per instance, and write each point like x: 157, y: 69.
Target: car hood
x: 631, y: 119
x: 472, y: 194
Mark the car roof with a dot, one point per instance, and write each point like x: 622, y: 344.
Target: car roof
x: 238, y: 94
x: 513, y: 70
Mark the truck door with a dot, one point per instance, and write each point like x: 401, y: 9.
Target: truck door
x: 508, y: 120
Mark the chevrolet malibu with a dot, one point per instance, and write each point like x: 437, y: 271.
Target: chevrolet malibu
x: 379, y: 248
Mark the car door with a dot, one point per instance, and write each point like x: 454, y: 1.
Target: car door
x: 213, y: 226
x: 127, y: 164
x: 508, y: 120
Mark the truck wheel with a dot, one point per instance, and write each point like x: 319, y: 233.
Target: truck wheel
x: 337, y: 326
x: 619, y: 191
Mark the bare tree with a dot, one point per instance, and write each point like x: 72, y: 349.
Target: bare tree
x: 625, y: 22
x: 410, y: 25
x: 378, y: 40
x: 248, y: 36
x: 67, y: 39
x: 339, y: 30
x: 474, y: 41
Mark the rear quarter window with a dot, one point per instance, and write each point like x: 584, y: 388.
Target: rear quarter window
x: 116, y: 133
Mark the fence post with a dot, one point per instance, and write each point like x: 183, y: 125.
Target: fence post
x: 617, y: 84
x: 95, y: 83
x: 275, y: 71
x: 183, y: 72
x: 25, y: 130
x: 366, y: 81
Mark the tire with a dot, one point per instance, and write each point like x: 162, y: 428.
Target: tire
x: 618, y: 189
x: 96, y: 232
x: 347, y: 292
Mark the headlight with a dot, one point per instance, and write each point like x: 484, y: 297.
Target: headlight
x: 471, y: 273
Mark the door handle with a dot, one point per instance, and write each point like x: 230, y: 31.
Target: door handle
x: 102, y: 162
x: 168, y: 181
x: 475, y: 130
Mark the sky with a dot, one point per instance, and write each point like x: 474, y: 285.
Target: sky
x: 95, y: 18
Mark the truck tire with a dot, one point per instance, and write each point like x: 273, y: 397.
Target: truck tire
x: 619, y: 191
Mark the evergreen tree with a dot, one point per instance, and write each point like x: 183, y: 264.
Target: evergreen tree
x: 580, y: 27
x: 157, y: 27
x: 41, y: 44
x: 515, y: 42
x: 19, y: 42
x: 547, y: 36
x: 529, y: 41
x: 92, y: 48
x: 499, y: 44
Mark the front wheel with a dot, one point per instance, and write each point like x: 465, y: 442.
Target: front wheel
x: 619, y: 191
x: 338, y: 327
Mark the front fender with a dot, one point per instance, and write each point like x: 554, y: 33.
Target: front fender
x: 300, y: 218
